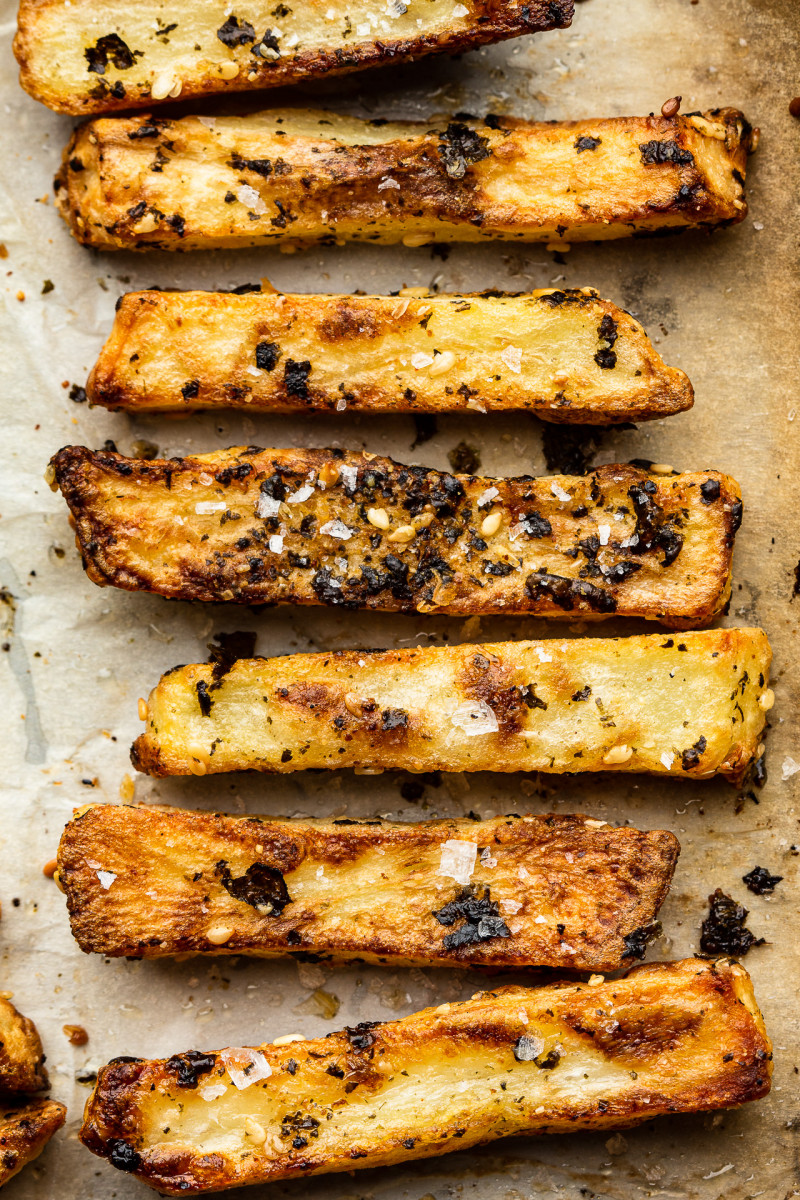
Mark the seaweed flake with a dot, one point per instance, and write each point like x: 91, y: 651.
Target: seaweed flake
x: 262, y: 887
x: 723, y: 931
x: 481, y: 916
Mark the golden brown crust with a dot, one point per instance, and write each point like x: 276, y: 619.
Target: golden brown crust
x: 360, y: 531
x: 692, y: 705
x: 554, y: 891
x: 568, y: 356
x: 21, y: 1058
x: 668, y: 1038
x: 66, y: 66
x: 25, y: 1130
x: 303, y: 177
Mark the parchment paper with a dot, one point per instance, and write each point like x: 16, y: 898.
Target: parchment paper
x: 723, y: 307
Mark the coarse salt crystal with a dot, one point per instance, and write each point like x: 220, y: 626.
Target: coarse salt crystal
x: 212, y: 1091
x: 512, y: 357
x: 476, y: 406
x: 460, y: 10
x: 276, y: 543
x: 250, y: 198
x: 341, y: 404
x: 337, y: 529
x: 267, y: 506
x: 603, y: 534
x: 487, y: 497
x: 789, y: 767
x: 475, y: 718
x: 458, y: 860
x: 420, y: 360
x: 559, y: 493
x: 206, y: 507
x: 349, y: 477
x: 301, y: 495
x: 106, y: 879
x: 511, y: 906
x: 388, y: 182
x: 245, y: 1066
x: 209, y: 122
x: 668, y: 759
x: 486, y: 858
x: 363, y: 30
x: 254, y: 371
x: 540, y: 920
x: 543, y: 656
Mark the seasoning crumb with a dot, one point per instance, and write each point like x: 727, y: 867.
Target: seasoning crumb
x: 724, y: 931
x: 760, y: 882
x: 47, y: 286
x: 76, y: 1035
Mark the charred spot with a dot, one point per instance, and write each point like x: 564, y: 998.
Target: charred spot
x: 760, y: 882
x: 203, y: 698
x: 138, y: 210
x: 636, y: 943
x: 110, y: 48
x: 587, y: 143
x: 656, y: 152
x: 606, y: 359
x: 535, y: 525
x: 233, y: 33
x: 190, y: 389
x: 500, y: 569
x: 480, y: 915
x: 724, y: 931
x: 123, y: 1156
x: 225, y: 651
x: 460, y: 147
x: 190, y: 1066
x: 262, y: 887
x: 267, y: 355
x: 178, y: 223
x: 394, y: 718
x: 236, y: 474
x: 361, y: 1036
x: 691, y: 758
x: 295, y: 378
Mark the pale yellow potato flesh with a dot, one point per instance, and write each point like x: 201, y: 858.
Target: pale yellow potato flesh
x: 179, y: 351
x: 688, y: 706
x: 303, y: 176
x: 21, y: 1058
x: 670, y: 1037
x: 25, y: 1130
x: 159, y: 51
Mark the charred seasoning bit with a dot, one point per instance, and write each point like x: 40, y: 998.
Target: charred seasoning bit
x: 636, y: 942
x: 229, y: 648
x: 535, y: 525
x: 460, y: 147
x: 466, y: 460
x: 760, y: 882
x: 190, y: 1066
x: 665, y: 152
x: 232, y: 33
x: 110, y: 47
x: 587, y: 143
x: 480, y: 914
x: 583, y: 694
x: 530, y: 698
x: 723, y: 931
x: 360, y: 1036
x: 123, y: 1156
x: 299, y: 1128
x: 710, y: 491
x: 262, y: 887
x: 267, y: 355
x: 203, y: 699
x: 691, y: 758
x: 77, y: 394
x: 295, y: 378
x: 190, y: 389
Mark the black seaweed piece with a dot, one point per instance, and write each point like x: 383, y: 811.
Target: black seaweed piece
x: 294, y: 1123
x: 232, y: 33
x: 760, y: 882
x: 190, y: 1066
x: 360, y: 1036
x: 587, y: 143
x: 203, y: 699
x: 564, y: 592
x: 481, y: 916
x: 636, y: 942
x: 535, y: 525
x: 295, y: 378
x: 123, y: 1156
x: 464, y: 459
x: 229, y: 648
x: 665, y: 152
x: 109, y: 47
x: 709, y: 491
x: 530, y: 699
x: 723, y: 931
x: 691, y: 758
x: 460, y: 147
x: 654, y: 531
x: 262, y: 887
x: 267, y: 355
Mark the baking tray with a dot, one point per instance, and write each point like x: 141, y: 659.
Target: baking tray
x: 722, y: 307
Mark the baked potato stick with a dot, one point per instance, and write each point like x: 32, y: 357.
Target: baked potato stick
x: 688, y: 706
x: 25, y: 1130
x: 668, y: 1038
x: 88, y: 57
x: 21, y: 1057
x: 358, y: 531
x: 565, y: 355
x: 550, y: 891
x: 302, y: 177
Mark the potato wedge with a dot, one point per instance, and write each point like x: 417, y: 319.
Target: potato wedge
x: 669, y: 1037
x: 21, y: 1057
x: 25, y: 1130
x: 689, y: 706
x: 567, y: 356
x: 358, y: 531
x: 547, y: 891
x: 303, y: 176
x: 91, y: 57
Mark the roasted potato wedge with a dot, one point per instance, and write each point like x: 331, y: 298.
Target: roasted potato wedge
x: 358, y: 531
x: 669, y: 1037
x: 21, y: 1058
x: 689, y: 706
x: 25, y: 1130
x: 567, y: 356
x: 303, y: 177
x: 549, y: 891
x: 95, y: 58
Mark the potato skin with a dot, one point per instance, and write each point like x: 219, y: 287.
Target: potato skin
x: 25, y: 1130
x: 547, y: 352
x: 669, y: 1037
x: 589, y: 885
x: 192, y: 56
x: 21, y: 1057
x: 692, y: 705
x: 303, y: 177
x: 359, y: 531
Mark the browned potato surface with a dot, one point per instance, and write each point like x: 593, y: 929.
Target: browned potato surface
x: 690, y: 706
x: 359, y: 531
x: 568, y: 356
x: 302, y: 177
x: 95, y: 57
x: 551, y: 891
x: 25, y: 1130
x: 21, y: 1058
x: 668, y: 1038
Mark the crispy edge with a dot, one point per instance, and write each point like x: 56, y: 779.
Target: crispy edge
x: 22, y: 1066
x: 24, y: 1133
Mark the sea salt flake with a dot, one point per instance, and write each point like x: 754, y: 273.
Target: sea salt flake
x: 388, y: 182
x: 460, y: 10
x: 559, y: 493
x: 245, y: 1066
x: 212, y: 1091
x: 205, y: 507
x: 276, y: 543
x: 420, y: 360
x: 511, y: 906
x: 789, y: 767
x: 106, y: 879
x: 487, y: 860
x: 458, y: 860
x: 475, y: 718
x: 487, y: 497
x: 250, y: 198
x: 301, y: 495
x: 363, y: 30
x: 668, y: 759
x: 603, y: 534
x: 337, y: 529
x: 512, y: 357
x: 349, y: 477
x: 267, y: 506
x: 543, y: 656
x: 540, y: 920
